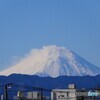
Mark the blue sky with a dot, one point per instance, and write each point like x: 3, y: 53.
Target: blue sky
x: 27, y: 24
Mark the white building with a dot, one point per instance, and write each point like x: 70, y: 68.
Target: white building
x: 64, y: 94
x: 2, y: 97
x: 28, y: 96
x: 34, y: 96
x: 20, y: 96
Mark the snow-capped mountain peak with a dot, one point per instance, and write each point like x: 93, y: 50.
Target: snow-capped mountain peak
x: 52, y: 61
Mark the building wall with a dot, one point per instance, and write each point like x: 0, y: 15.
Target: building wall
x: 69, y: 94
x: 34, y: 95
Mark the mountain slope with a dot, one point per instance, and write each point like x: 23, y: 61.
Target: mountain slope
x: 53, y: 61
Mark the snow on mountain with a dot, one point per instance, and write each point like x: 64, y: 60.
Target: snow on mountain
x: 52, y: 61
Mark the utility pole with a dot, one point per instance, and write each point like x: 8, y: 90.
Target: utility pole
x: 6, y: 90
x: 41, y: 93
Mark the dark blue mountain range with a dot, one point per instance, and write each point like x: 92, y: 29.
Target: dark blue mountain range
x: 51, y: 83
x: 35, y: 83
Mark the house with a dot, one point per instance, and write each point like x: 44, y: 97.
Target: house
x: 63, y: 94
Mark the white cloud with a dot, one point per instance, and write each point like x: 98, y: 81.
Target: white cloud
x: 31, y: 63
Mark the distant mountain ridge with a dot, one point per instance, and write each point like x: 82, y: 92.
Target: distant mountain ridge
x: 52, y: 83
x: 53, y: 61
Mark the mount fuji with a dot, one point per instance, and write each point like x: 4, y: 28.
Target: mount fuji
x: 52, y: 61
